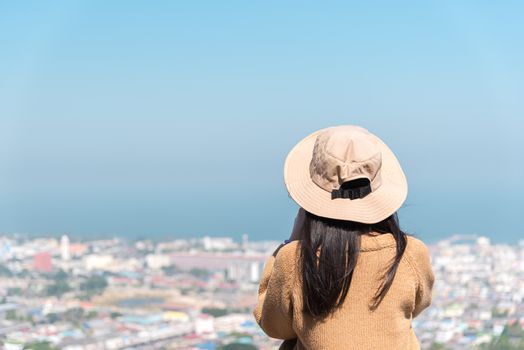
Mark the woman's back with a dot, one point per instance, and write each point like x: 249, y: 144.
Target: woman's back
x: 354, y: 325
x: 351, y: 278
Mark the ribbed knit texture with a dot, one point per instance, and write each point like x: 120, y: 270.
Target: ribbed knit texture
x: 353, y: 326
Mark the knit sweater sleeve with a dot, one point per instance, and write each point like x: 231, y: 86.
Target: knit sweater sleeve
x: 274, y: 309
x: 421, y: 263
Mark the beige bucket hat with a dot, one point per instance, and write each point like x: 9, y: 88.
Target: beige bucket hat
x: 347, y: 173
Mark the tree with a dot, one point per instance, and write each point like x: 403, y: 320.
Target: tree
x: 11, y: 315
x: 14, y: 291
x: 92, y: 314
x: 73, y: 315
x: 238, y: 346
x: 4, y: 271
x: 39, y: 345
x: 60, y: 275
x: 438, y: 346
x: 199, y: 272
x: 94, y: 285
x: 213, y: 311
x: 170, y: 270
x: 115, y: 315
x: 52, y: 317
x: 58, y: 288
x: 511, y: 338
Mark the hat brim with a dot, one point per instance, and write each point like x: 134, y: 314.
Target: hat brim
x: 375, y: 207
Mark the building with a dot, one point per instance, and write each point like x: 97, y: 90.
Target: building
x: 65, y: 251
x: 98, y: 262
x: 157, y: 261
x: 43, y: 262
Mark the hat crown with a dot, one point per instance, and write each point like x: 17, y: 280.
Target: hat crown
x: 345, y: 153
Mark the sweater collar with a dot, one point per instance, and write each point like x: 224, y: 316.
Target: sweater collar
x: 374, y: 241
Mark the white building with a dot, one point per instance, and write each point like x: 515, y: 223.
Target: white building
x: 65, y: 251
x: 157, y: 261
x: 98, y: 262
x: 204, y: 324
x: 218, y: 243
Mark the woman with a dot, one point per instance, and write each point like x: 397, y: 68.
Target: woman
x: 348, y: 277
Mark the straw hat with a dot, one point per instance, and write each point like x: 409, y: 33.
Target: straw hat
x: 347, y: 173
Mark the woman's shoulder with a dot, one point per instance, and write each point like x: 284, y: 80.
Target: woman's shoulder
x: 285, y: 259
x: 419, y: 256
x: 288, y: 249
x: 416, y: 246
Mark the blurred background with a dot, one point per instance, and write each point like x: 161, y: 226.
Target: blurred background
x: 142, y: 149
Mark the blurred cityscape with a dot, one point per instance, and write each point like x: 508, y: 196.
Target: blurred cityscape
x: 199, y: 294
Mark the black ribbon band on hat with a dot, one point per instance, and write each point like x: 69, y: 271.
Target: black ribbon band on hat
x: 358, y: 188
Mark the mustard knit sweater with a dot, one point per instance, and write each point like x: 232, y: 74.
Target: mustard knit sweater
x: 353, y: 326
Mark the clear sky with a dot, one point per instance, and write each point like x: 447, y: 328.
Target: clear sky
x: 174, y: 118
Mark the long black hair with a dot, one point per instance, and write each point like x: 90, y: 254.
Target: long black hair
x: 326, y: 277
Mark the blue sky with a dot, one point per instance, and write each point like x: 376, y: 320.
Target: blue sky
x: 174, y: 118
